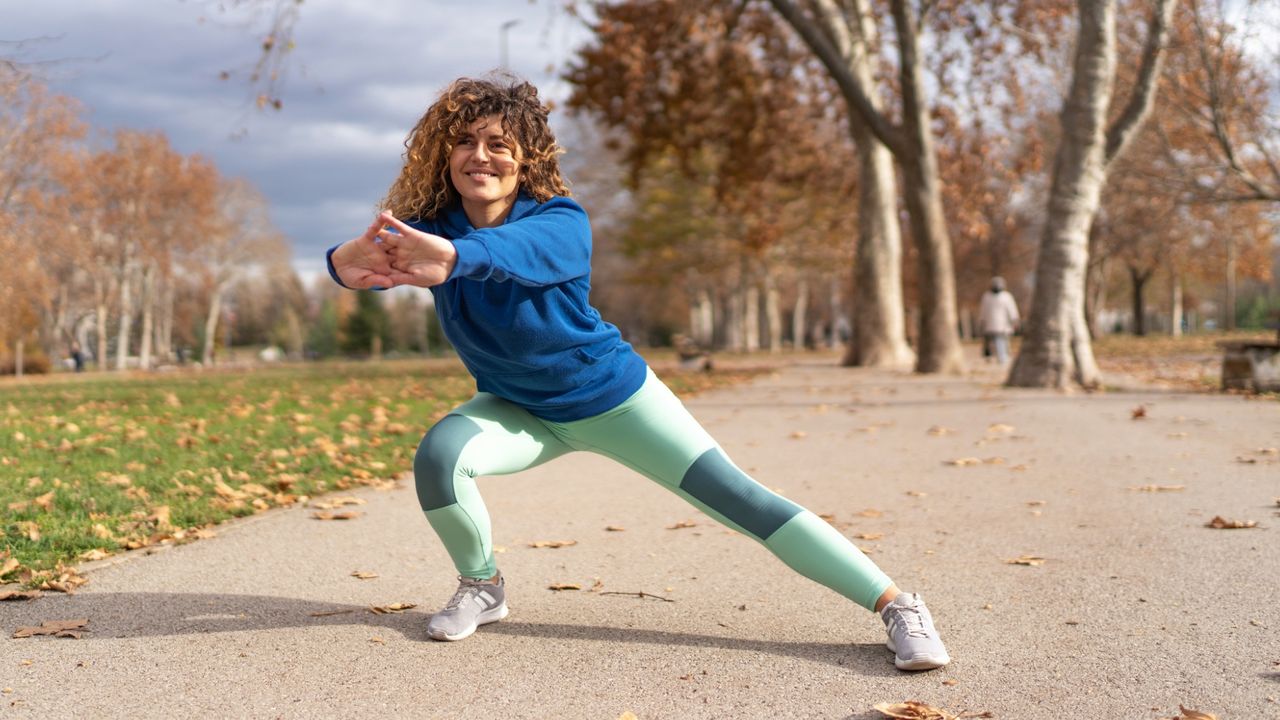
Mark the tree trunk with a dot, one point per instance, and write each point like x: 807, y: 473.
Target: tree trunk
x: 837, y: 315
x: 1056, y: 348
x: 101, y: 329
x: 799, y: 321
x: 211, y: 328
x: 879, y: 336
x: 148, y: 316
x: 19, y: 348
x: 703, y: 319
x: 1229, y: 316
x: 1139, y: 279
x: 126, y: 318
x: 940, y: 350
x: 772, y: 311
x: 733, y: 335
x: 751, y: 315
x: 1175, y: 302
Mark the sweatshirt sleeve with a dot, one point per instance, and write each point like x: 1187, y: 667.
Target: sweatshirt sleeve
x: 548, y: 246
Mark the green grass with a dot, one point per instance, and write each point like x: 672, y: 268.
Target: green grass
x: 97, y: 464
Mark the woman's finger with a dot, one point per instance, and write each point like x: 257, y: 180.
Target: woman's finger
x: 387, y: 218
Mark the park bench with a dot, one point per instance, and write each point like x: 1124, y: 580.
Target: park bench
x: 1251, y: 364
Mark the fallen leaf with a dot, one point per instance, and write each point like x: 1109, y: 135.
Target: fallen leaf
x: 1037, y: 503
x: 337, y: 502
x: 628, y: 715
x: 799, y: 434
x: 1158, y: 488
x: 951, y: 682
x: 392, y: 608
x: 916, y: 493
x: 869, y: 536
x: 999, y: 429
x: 378, y: 640
x: 1220, y: 523
x: 614, y: 528
x: 564, y: 586
x: 939, y: 431
x: 682, y: 524
x: 552, y: 543
x: 363, y: 575
x: 912, y: 710
x: 870, y: 513
x: 19, y: 594
x: 45, y: 501
x: 1139, y: 412
x: 326, y: 515
x: 964, y: 461
x: 57, y: 628
x: 1031, y: 560
x: 1189, y: 714
x: 94, y: 554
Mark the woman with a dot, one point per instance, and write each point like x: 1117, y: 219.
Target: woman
x: 481, y: 216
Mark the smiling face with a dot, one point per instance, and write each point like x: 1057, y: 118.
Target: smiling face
x: 484, y: 166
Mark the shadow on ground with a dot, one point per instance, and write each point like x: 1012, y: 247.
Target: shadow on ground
x: 135, y: 615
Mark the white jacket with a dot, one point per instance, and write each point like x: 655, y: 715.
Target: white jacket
x: 998, y: 313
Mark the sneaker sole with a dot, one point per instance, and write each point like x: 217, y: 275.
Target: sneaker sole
x: 488, y: 616
x: 917, y: 662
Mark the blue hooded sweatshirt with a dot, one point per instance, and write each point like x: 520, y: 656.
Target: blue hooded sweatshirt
x: 517, y: 312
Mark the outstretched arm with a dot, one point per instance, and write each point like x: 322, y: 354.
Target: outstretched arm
x: 417, y: 258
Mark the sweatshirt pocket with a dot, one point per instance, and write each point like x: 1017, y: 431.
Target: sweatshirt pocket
x: 594, y: 355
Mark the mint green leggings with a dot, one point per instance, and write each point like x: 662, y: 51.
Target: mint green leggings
x: 651, y: 433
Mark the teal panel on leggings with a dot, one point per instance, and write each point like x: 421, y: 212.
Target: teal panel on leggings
x: 719, y: 484
x: 811, y: 547
x: 437, y: 460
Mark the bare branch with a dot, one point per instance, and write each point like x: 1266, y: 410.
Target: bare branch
x: 1144, y: 90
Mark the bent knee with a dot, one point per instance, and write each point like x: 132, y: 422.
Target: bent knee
x: 717, y: 483
x: 435, y: 464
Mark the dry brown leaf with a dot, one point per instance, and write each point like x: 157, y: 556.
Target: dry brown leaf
x: 1037, y: 503
x: 939, y: 431
x: 799, y: 434
x: 10, y: 564
x: 337, y: 502
x: 45, y: 501
x: 1189, y: 714
x: 1220, y: 523
x: 19, y: 594
x: 377, y: 640
x: 1139, y: 412
x: 682, y: 524
x: 964, y: 462
x: 628, y: 715
x: 1031, y: 560
x: 552, y: 543
x: 614, y: 528
x: 999, y: 429
x: 916, y: 493
x: 870, y: 513
x: 564, y: 586
x: 57, y: 628
x: 392, y: 608
x: 869, y: 536
x: 1158, y: 488
x: 951, y: 682
x: 94, y: 554
x: 912, y: 710
x: 364, y: 575
x: 326, y: 515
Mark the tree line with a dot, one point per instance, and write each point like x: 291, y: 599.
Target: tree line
x: 767, y: 142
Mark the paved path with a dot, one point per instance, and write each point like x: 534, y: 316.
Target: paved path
x: 1138, y: 607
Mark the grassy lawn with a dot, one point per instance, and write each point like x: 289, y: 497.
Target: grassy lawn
x: 1192, y: 362
x: 91, y: 465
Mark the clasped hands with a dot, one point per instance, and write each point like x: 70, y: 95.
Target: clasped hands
x: 390, y: 253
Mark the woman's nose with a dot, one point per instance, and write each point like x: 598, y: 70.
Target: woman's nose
x: 482, y: 153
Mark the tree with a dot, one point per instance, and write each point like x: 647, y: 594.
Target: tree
x: 740, y: 113
x: 833, y: 31
x: 368, y: 328
x: 1056, y: 349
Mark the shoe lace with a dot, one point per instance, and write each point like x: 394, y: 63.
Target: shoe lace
x: 912, y: 620
x: 466, y: 588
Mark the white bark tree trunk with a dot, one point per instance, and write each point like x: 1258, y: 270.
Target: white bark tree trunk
x: 126, y: 317
x: 211, y: 328
x: 773, y: 312
x: 148, y: 316
x: 1056, y: 349
x: 799, y: 319
x: 1175, y: 302
x: 751, y: 317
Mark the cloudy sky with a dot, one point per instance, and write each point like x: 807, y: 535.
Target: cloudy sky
x: 362, y: 73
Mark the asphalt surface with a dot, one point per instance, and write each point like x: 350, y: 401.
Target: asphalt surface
x: 1137, y: 608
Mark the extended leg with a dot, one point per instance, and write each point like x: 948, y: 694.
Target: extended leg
x: 654, y: 434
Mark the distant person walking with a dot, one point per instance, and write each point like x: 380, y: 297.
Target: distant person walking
x: 998, y: 319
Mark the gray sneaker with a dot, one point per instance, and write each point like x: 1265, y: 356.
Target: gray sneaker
x: 912, y: 636
x: 476, y: 603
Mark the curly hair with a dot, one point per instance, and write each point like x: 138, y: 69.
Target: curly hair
x: 424, y: 187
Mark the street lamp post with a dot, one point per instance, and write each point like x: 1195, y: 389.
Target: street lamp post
x: 502, y: 34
